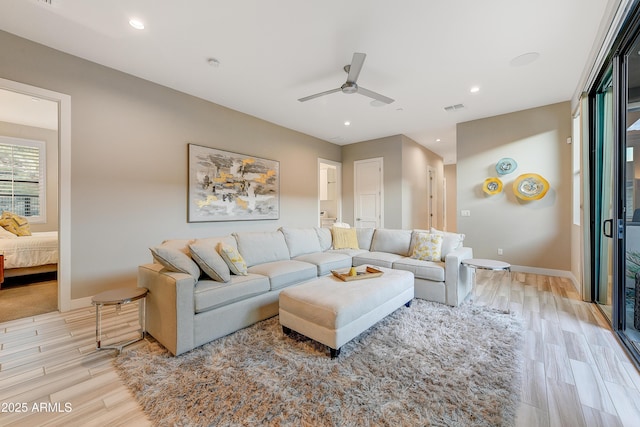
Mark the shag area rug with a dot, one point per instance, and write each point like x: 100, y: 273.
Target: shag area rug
x: 426, y: 365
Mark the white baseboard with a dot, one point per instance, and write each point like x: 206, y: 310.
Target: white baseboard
x: 80, y: 303
x: 549, y: 272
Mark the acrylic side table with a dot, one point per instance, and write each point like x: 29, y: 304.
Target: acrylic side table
x: 488, y: 264
x: 119, y: 297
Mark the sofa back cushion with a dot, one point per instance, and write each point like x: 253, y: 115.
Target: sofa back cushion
x: 301, y: 241
x: 261, y: 247
x: 365, y: 237
x: 391, y: 241
x: 324, y: 237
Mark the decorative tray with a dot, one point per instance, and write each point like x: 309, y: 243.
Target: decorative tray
x: 368, y: 274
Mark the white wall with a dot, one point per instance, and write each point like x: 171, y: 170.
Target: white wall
x: 533, y: 234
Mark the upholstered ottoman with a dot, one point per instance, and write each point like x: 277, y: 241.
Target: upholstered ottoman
x: 333, y: 312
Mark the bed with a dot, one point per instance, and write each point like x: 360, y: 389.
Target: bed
x: 33, y: 254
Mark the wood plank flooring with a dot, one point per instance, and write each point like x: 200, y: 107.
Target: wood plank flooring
x: 575, y: 372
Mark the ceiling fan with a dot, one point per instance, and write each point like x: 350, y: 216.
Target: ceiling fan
x: 350, y: 86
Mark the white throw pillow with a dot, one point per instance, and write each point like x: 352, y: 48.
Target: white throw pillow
x: 210, y: 261
x: 175, y: 260
x: 428, y: 247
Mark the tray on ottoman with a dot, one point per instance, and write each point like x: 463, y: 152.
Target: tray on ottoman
x: 369, y: 273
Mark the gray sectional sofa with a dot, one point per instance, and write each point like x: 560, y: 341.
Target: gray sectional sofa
x: 195, y: 298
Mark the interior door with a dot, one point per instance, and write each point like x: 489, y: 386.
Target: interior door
x: 368, y: 193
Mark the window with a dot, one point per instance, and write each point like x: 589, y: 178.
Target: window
x: 22, y: 177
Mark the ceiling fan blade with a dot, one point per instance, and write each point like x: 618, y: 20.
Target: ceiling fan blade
x: 318, y: 95
x: 356, y: 66
x: 374, y: 95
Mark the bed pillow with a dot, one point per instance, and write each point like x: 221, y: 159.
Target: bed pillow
x: 4, y: 234
x: 175, y: 260
x: 15, y: 224
x: 210, y: 261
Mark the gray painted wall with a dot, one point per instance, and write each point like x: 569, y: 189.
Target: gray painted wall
x: 535, y: 233
x: 129, y: 161
x: 405, y: 165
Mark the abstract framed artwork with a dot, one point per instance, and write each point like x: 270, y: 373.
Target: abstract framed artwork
x: 226, y: 186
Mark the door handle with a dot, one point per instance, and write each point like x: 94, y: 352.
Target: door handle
x: 604, y: 228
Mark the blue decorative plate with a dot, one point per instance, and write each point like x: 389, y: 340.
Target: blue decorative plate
x: 506, y: 166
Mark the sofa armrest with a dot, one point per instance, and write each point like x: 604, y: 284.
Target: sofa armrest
x: 457, y: 277
x: 170, y: 306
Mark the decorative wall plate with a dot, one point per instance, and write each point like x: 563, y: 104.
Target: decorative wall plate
x: 492, y: 186
x: 530, y: 186
x: 506, y: 165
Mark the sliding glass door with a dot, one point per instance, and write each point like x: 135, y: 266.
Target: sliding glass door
x: 602, y: 194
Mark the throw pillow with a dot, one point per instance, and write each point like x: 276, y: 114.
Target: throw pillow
x: 428, y: 247
x: 175, y: 260
x: 210, y: 261
x: 450, y: 241
x: 344, y: 238
x: 15, y: 224
x: 234, y: 260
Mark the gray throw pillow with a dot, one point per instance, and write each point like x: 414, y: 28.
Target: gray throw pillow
x: 210, y: 261
x: 175, y: 260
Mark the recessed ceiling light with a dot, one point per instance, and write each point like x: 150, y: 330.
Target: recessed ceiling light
x: 137, y: 24
x: 474, y: 89
x: 347, y: 123
x: 438, y: 140
x: 524, y: 59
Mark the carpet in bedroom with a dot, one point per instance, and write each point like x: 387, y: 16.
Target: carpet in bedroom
x: 28, y: 296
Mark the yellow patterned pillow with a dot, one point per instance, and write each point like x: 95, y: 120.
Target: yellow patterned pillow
x: 234, y: 260
x: 428, y: 247
x: 16, y: 224
x: 344, y: 238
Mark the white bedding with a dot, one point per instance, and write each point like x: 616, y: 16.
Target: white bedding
x: 29, y: 251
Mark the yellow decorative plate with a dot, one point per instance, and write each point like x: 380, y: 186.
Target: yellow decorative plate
x: 492, y: 186
x: 530, y: 186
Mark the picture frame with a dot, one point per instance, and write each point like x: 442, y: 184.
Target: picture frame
x: 228, y: 186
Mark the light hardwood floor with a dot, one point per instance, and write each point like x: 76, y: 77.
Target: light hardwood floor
x: 575, y: 372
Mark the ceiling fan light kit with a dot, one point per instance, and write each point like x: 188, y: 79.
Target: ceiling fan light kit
x: 350, y: 86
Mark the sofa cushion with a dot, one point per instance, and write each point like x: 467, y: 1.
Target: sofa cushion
x: 301, y: 241
x: 381, y: 259
x: 234, y: 260
x: 392, y: 241
x: 365, y: 237
x: 175, y: 260
x: 428, y: 270
x: 427, y: 247
x: 344, y: 238
x: 211, y: 294
x: 262, y: 247
x: 285, y: 273
x: 324, y: 237
x: 210, y: 261
x: 350, y: 252
x: 326, y: 261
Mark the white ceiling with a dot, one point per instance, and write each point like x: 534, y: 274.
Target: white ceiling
x: 425, y: 54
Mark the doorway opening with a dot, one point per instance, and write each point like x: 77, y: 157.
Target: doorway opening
x: 329, y: 192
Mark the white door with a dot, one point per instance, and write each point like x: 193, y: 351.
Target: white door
x: 368, y: 195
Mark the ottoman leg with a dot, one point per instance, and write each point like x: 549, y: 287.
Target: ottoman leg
x: 407, y: 304
x: 286, y: 331
x: 335, y: 352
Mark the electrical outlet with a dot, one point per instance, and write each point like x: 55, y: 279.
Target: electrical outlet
x: 499, y: 251
x: 465, y: 213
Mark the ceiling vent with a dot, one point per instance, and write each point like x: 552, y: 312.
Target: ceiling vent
x: 454, y: 107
